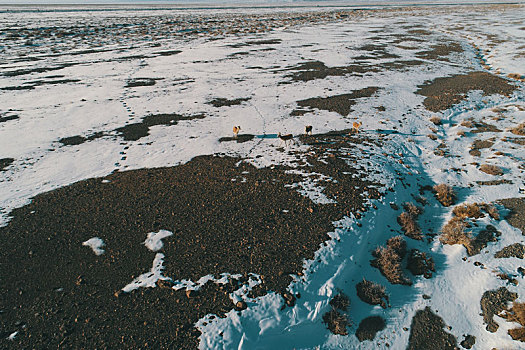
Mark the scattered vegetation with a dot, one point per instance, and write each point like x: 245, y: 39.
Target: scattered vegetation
x: 491, y: 169
x: 335, y: 320
x: 454, y: 233
x: 369, y: 327
x: 340, y: 301
x: 408, y: 221
x: 508, y: 278
x: 468, y: 211
x: 467, y: 123
x: 519, y: 130
x: 419, y: 263
x: 436, y: 120
x: 388, y: 260
x: 372, y: 293
x: 491, y: 210
x: 412, y: 209
x: 516, y: 314
x: 445, y: 194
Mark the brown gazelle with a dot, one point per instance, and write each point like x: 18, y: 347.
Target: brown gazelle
x: 308, y: 130
x: 285, y: 138
x: 236, y: 130
x: 356, y: 126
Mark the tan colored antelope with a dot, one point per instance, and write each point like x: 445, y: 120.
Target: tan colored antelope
x: 308, y: 130
x: 356, y: 126
x: 285, y: 138
x: 236, y: 130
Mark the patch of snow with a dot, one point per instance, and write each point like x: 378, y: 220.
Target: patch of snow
x: 96, y: 244
x: 154, y: 240
x: 148, y: 279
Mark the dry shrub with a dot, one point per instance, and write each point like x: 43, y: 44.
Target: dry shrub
x: 432, y: 136
x: 409, y: 225
x: 340, y: 301
x: 461, y: 133
x: 454, y: 233
x: 388, y: 260
x: 468, y: 211
x: 372, y: 293
x: 413, y: 209
x: 516, y: 314
x: 336, y: 322
x: 420, y: 264
x: 491, y: 169
x: 436, y: 120
x: 444, y: 194
x: 491, y: 210
x: 467, y: 123
x: 517, y: 334
x: 519, y: 130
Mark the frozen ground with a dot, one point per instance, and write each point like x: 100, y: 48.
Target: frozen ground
x: 67, y: 98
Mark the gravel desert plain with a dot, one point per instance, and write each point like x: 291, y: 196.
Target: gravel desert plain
x: 132, y: 216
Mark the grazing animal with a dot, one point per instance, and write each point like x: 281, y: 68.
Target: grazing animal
x: 308, y: 130
x: 356, y: 126
x: 236, y: 130
x: 285, y: 138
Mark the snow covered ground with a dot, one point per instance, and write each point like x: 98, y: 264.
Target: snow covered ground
x: 86, y: 91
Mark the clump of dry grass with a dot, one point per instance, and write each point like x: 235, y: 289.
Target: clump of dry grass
x: 372, y: 293
x: 412, y: 209
x: 409, y: 225
x: 336, y: 321
x: 388, y: 260
x: 340, y: 301
x: 491, y: 169
x: 436, y: 120
x: 516, y: 314
x: 444, y: 194
x: 454, y: 233
x: 519, y: 130
x: 467, y: 123
x: 468, y: 211
x: 491, y: 210
x: 419, y: 263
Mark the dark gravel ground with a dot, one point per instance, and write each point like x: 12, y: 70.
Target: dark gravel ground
x: 515, y: 216
x: 58, y: 294
x: 443, y: 93
x: 339, y: 103
x: 5, y: 162
x: 492, y: 303
x: 426, y: 332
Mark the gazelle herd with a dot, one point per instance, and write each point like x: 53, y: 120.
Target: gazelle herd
x: 287, y: 137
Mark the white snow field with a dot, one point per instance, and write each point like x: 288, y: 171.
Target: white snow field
x: 89, y: 86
